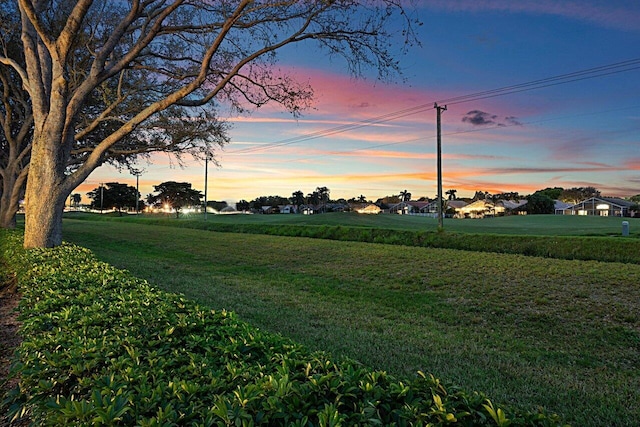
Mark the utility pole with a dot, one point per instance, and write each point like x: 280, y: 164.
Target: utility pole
x: 439, y: 109
x: 137, y: 173
x: 206, y: 171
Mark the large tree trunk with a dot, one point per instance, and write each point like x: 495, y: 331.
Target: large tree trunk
x: 47, y: 191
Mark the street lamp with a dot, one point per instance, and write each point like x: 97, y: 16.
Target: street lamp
x: 137, y: 173
x: 206, y: 171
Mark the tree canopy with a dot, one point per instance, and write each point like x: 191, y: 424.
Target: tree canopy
x: 176, y: 195
x: 110, y: 81
x: 115, y: 195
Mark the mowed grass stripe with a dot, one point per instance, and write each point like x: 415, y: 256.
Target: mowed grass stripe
x: 527, y: 331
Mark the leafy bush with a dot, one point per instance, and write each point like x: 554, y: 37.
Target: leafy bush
x: 102, y: 347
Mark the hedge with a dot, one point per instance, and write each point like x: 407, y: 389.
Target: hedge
x: 101, y: 347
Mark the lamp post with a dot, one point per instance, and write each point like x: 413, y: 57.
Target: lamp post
x: 137, y: 173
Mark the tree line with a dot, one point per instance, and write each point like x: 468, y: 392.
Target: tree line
x: 178, y: 195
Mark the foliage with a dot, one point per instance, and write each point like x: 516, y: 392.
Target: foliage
x: 102, y: 347
x: 539, y: 203
x: 273, y: 201
x: 577, y: 194
x: 553, y: 193
x: 526, y: 330
x: 175, y: 194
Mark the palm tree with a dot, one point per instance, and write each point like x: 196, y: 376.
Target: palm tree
x: 362, y: 199
x: 451, y: 193
x: 297, y: 198
x: 405, y: 196
x: 323, y: 194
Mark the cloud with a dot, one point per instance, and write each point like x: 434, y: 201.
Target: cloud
x: 633, y: 164
x: 513, y: 121
x: 479, y: 118
x: 482, y: 118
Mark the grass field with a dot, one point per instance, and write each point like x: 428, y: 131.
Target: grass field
x: 527, y: 331
x: 536, y: 225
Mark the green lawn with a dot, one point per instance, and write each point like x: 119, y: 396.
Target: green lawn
x: 527, y: 331
x: 537, y: 225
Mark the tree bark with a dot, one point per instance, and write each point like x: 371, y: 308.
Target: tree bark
x: 43, y: 219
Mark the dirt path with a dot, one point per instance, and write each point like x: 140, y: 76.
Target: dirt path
x: 9, y: 338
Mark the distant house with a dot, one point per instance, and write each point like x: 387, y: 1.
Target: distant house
x: 560, y: 206
x: 409, y: 208
x: 601, y: 206
x: 456, y: 204
x: 269, y: 210
x: 288, y: 209
x: 308, y: 209
x: 488, y: 208
x: 369, y: 209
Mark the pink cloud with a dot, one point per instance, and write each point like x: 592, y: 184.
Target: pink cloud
x: 340, y: 95
x: 633, y: 164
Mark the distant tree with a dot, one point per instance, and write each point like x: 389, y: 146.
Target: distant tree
x: 513, y: 195
x: 389, y: 200
x: 114, y: 195
x: 451, y: 193
x: 362, y: 199
x: 243, y: 205
x: 313, y: 198
x: 554, y: 193
x: 577, y: 194
x: 217, y: 206
x: 323, y: 194
x: 272, y: 201
x: 297, y: 198
x: 76, y: 198
x: 177, y: 195
x: 405, y: 196
x: 481, y: 195
x: 635, y: 198
x: 540, y: 203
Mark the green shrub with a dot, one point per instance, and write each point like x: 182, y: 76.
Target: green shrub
x: 101, y: 347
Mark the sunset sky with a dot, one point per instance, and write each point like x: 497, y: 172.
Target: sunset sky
x: 584, y: 132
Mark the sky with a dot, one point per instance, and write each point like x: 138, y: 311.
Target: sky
x: 577, y: 132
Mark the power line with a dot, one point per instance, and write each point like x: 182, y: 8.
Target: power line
x: 477, y: 129
x: 590, y: 73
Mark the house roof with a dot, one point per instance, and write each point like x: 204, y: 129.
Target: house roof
x: 621, y: 203
x: 559, y: 205
x: 478, y: 205
x: 512, y: 204
x: 369, y: 209
x: 457, y: 204
x: 417, y: 205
